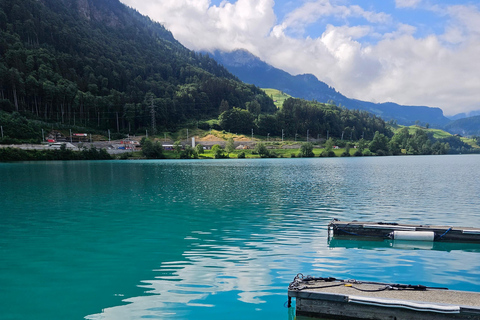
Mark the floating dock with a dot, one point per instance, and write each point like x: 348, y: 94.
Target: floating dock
x: 395, y: 231
x: 331, y: 298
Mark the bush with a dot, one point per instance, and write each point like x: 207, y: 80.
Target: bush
x: 189, y: 153
x: 367, y: 153
x: 152, y: 150
x: 261, y: 150
x: 199, y: 149
x: 358, y: 153
x: 381, y: 152
x: 14, y: 154
x: 124, y: 156
x: 241, y: 155
x: 306, y: 150
x: 329, y: 154
x: 218, y: 152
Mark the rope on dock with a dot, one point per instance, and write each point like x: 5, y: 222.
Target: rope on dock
x: 301, y: 282
x: 440, y: 237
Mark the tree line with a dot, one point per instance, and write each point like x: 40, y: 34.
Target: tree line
x: 16, y: 154
x: 299, y: 117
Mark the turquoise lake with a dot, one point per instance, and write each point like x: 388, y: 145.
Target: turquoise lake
x: 220, y: 239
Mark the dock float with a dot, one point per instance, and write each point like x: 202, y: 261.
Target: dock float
x: 396, y: 231
x: 330, y: 298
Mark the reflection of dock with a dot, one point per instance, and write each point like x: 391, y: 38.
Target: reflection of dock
x: 382, y: 230
x: 350, y: 299
x: 369, y: 244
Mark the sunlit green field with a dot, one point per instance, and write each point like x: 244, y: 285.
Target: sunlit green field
x: 278, y: 96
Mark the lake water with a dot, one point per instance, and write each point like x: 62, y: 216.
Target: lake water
x: 219, y: 239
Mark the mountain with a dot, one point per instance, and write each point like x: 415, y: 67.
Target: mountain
x: 100, y: 64
x: 465, y: 115
x: 251, y: 69
x: 466, y: 126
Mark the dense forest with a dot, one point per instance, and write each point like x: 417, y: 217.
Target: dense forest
x: 102, y: 65
x: 298, y: 116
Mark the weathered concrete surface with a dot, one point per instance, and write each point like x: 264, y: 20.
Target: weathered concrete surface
x: 336, y: 303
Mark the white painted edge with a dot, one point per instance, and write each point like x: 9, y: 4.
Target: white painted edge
x: 411, y: 305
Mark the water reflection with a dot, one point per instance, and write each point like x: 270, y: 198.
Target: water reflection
x: 403, y: 244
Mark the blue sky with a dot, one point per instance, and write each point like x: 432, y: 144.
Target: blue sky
x: 413, y: 52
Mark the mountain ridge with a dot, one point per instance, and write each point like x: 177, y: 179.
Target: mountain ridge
x: 308, y: 86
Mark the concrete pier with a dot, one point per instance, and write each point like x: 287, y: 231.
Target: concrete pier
x: 340, y: 299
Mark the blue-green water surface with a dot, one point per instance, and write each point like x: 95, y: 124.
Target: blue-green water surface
x: 219, y: 239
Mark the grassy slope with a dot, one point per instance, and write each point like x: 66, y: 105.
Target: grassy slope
x: 278, y: 96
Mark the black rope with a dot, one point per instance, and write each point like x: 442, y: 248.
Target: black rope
x: 321, y: 287
x: 387, y: 287
x: 300, y: 282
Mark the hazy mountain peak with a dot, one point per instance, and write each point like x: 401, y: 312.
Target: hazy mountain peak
x: 238, y: 58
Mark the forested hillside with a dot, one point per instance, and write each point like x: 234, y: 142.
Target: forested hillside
x: 466, y: 126
x: 100, y: 64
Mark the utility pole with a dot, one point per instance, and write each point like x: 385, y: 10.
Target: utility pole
x: 108, y: 135
x: 70, y: 135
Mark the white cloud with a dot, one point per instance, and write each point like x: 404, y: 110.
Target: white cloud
x: 434, y: 70
x: 311, y: 12
x: 407, y: 3
x: 200, y: 26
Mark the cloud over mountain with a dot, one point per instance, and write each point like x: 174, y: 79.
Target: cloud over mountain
x: 375, y: 53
